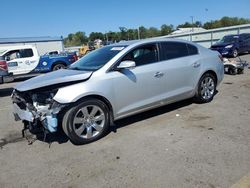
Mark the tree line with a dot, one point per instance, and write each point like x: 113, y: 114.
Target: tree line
x: 80, y: 38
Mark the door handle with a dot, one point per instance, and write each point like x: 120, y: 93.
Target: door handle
x: 196, y: 64
x: 159, y: 74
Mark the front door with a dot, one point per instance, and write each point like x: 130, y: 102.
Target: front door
x: 141, y: 87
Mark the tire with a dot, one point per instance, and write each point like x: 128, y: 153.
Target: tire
x: 58, y: 66
x: 206, y: 88
x: 86, y: 121
x: 235, y: 53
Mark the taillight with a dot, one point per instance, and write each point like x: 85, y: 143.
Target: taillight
x: 3, y: 65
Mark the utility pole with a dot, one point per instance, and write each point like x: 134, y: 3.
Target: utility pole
x: 192, y: 17
x: 106, y: 36
x: 139, y: 33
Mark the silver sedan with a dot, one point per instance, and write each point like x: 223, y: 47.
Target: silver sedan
x: 117, y: 81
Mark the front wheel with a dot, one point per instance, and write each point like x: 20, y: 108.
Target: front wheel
x: 235, y: 53
x: 206, y: 88
x: 86, y: 122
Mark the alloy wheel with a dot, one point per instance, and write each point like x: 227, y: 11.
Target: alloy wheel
x: 89, y: 121
x: 207, y: 88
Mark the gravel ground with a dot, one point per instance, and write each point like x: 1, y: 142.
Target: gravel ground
x: 179, y: 145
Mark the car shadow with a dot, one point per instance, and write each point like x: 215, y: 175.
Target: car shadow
x: 152, y: 113
x: 149, y: 114
x: 58, y: 137
x: 5, y: 92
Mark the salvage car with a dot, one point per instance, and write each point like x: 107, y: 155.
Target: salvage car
x: 115, y: 82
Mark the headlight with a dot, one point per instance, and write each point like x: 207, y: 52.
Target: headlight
x: 229, y: 46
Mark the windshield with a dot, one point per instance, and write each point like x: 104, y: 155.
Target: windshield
x: 96, y: 59
x: 229, y: 39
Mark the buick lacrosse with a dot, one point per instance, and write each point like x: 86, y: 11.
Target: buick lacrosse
x: 114, y: 82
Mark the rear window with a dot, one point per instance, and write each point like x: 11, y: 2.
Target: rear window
x: 26, y: 53
x: 192, y: 50
x: 173, y: 50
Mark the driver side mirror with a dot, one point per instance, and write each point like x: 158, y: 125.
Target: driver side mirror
x: 126, y: 65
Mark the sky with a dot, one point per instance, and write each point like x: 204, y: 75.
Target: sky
x: 34, y: 18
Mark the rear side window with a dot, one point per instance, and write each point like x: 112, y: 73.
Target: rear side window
x: 143, y: 55
x: 26, y: 53
x: 192, y: 50
x: 173, y: 50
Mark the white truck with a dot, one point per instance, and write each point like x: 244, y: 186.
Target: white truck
x: 25, y: 59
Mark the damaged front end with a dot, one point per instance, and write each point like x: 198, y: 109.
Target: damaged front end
x: 36, y: 108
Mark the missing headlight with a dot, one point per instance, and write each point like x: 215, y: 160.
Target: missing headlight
x: 45, y: 97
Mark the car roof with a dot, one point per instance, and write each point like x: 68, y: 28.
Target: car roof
x: 144, y: 41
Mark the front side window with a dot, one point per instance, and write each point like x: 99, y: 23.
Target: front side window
x: 173, y: 50
x: 13, y: 54
x: 143, y: 55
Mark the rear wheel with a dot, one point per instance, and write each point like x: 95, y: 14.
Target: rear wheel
x: 206, y: 88
x: 59, y: 66
x: 86, y: 122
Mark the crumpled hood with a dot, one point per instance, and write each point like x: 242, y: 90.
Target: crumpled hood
x: 56, y: 77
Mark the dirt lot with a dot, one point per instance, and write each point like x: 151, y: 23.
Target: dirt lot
x: 179, y: 145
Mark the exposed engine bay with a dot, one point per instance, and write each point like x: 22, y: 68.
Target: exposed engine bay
x: 34, y: 107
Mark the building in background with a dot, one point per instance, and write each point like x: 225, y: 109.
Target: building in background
x: 208, y: 37
x: 188, y: 30
x: 43, y: 44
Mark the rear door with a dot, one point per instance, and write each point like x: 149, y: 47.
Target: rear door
x: 248, y: 43
x: 244, y: 43
x: 182, y: 66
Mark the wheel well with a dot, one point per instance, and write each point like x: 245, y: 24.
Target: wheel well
x: 58, y: 62
x: 213, y: 73
x: 103, y: 99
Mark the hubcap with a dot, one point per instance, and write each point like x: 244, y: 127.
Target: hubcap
x: 207, y: 88
x: 89, y: 121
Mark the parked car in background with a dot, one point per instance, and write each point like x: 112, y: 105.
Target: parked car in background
x: 5, y: 76
x: 117, y: 81
x: 25, y: 59
x: 232, y: 45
